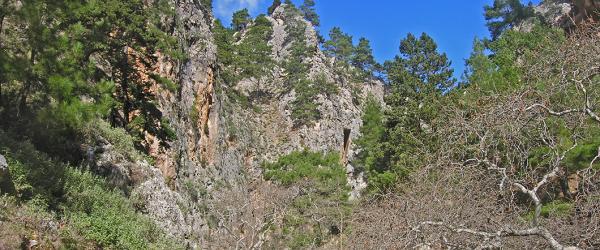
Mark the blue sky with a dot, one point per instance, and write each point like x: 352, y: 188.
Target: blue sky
x: 453, y: 24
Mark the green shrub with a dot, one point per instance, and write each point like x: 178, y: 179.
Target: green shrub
x: 92, y: 210
x: 105, y: 216
x: 165, y: 82
x: 32, y: 172
x: 322, y: 203
x: 305, y: 164
x: 119, y: 138
x: 554, y: 208
x: 167, y: 130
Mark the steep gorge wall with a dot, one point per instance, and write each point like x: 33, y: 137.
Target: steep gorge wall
x: 270, y: 133
x: 221, y: 145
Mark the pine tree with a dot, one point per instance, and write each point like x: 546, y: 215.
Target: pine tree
x: 253, y: 53
x: 57, y: 80
x: 276, y: 3
x: 420, y: 67
x: 372, y: 155
x: 362, y: 57
x: 224, y: 41
x: 310, y: 14
x: 240, y: 19
x: 339, y: 46
x: 417, y: 77
x: 505, y: 14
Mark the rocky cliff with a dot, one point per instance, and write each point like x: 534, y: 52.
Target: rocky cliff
x: 220, y: 144
x: 565, y: 14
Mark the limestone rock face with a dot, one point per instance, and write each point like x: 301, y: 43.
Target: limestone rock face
x: 555, y: 12
x: 6, y: 184
x: 220, y: 143
x: 3, y: 163
x: 158, y: 189
x: 270, y: 133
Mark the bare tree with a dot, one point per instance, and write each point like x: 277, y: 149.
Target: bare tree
x: 244, y: 219
x: 504, y: 176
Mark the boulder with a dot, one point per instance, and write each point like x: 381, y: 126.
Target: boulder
x: 6, y: 184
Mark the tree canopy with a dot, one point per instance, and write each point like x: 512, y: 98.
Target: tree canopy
x: 310, y: 14
x: 240, y: 19
x: 339, y: 45
x: 505, y: 14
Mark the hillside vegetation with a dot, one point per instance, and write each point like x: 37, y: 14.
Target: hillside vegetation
x: 111, y: 139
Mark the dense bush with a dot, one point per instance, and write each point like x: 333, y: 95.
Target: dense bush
x: 104, y: 216
x: 371, y: 157
x: 91, y: 209
x: 320, y: 209
x: 298, y: 165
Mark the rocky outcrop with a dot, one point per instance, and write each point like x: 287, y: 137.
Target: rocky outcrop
x: 270, y: 133
x: 6, y: 184
x: 565, y: 14
x: 220, y: 143
x: 553, y: 12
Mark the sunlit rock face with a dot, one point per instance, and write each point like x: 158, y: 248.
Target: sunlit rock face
x: 220, y: 144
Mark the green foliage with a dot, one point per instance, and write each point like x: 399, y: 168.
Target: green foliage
x: 46, y: 69
x: 249, y: 58
x: 299, y: 165
x: 324, y: 86
x: 482, y: 70
x: 224, y: 41
x: 317, y: 212
x: 165, y: 82
x: 505, y: 14
x: 240, y: 19
x: 86, y: 203
x: 207, y: 3
x: 56, y: 68
x: 33, y: 173
x: 363, y: 59
x: 310, y: 14
x: 517, y: 46
x: 582, y: 155
x: 276, y: 3
x: 119, y: 138
x: 13, y: 214
x: 295, y: 66
x: 417, y: 79
x: 305, y: 109
x: 578, y: 156
x: 339, y: 46
x: 500, y: 72
x: 253, y: 56
x: 419, y: 69
x: 372, y: 155
x: 105, y: 216
x: 168, y: 131
x: 553, y: 209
